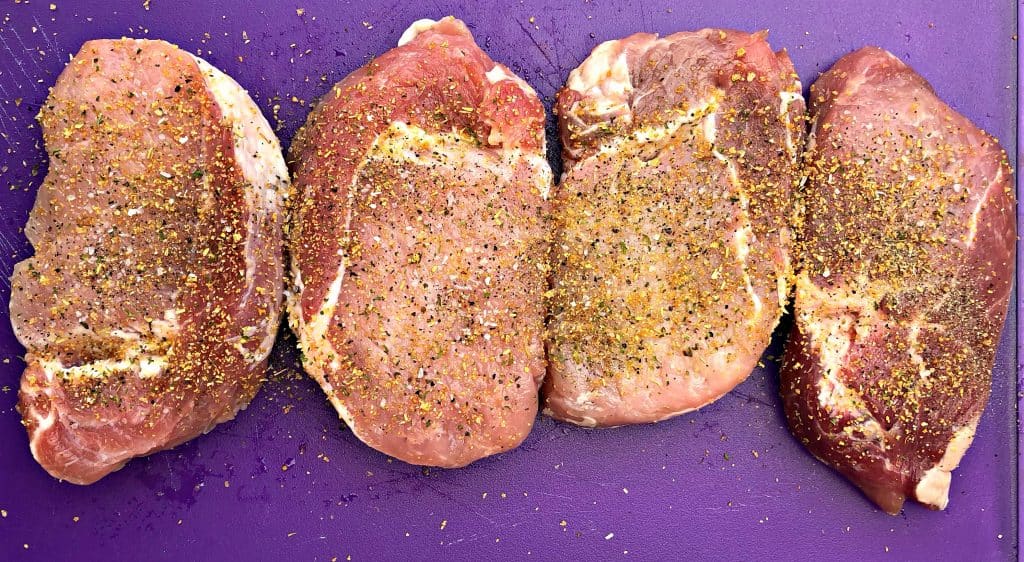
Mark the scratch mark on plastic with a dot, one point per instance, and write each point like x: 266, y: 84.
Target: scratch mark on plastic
x: 29, y: 52
x: 459, y: 502
x: 543, y: 52
x: 14, y: 57
x: 6, y: 117
x: 7, y: 268
x: 50, y: 43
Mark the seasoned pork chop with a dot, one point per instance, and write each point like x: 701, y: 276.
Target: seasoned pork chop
x: 671, y: 240
x: 904, y: 276
x: 153, y: 297
x: 418, y: 246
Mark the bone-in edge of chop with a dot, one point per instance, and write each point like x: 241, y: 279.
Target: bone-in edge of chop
x: 153, y: 297
x: 670, y: 263
x: 906, y: 263
x: 418, y: 249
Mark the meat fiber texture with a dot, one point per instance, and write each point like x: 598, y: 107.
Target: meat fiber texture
x: 418, y: 249
x: 905, y: 269
x: 671, y: 252
x: 153, y: 297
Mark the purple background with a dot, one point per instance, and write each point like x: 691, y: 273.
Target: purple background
x: 285, y: 478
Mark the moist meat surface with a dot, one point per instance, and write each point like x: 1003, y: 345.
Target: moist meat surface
x: 154, y: 293
x: 670, y: 259
x: 418, y: 246
x: 904, y: 277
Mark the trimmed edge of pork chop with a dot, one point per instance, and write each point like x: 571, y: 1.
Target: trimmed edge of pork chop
x: 260, y: 165
x: 612, y: 102
x: 900, y: 419
x: 312, y: 300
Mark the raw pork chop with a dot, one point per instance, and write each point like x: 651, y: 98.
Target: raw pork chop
x: 904, y: 276
x: 418, y: 249
x: 671, y: 249
x: 153, y: 297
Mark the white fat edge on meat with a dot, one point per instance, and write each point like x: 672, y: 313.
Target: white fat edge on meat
x: 317, y: 350
x: 412, y: 142
x: 581, y: 403
x: 499, y: 73
x: 914, y: 349
x: 604, y: 81
x: 411, y: 145
x: 698, y: 114
x: 782, y: 279
x: 137, y: 354
x: 933, y: 487
x: 496, y: 74
x: 741, y: 237
x: 258, y: 154
x: 787, y: 97
x: 605, y: 85
x: 972, y: 220
x: 827, y: 318
x: 39, y: 424
x: 417, y: 27
x: 135, y: 358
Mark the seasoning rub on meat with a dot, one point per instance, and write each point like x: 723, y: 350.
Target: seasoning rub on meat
x: 671, y: 252
x: 418, y: 248
x: 153, y: 297
x: 906, y: 263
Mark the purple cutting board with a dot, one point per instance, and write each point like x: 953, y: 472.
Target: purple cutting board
x: 286, y: 479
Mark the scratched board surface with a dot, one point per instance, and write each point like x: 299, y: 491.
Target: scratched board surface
x: 286, y: 479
